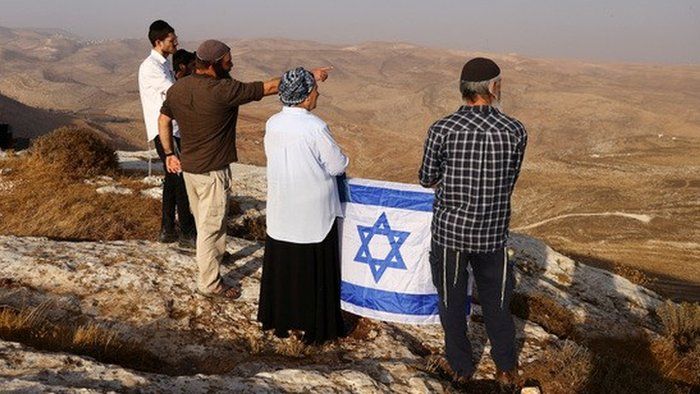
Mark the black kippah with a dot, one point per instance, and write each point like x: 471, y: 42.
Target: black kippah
x: 480, y: 69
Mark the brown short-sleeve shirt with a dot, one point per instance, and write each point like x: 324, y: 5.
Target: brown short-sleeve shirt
x: 206, y: 111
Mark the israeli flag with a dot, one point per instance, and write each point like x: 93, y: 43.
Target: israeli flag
x: 385, y: 244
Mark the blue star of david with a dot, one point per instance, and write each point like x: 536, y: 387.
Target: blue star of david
x: 393, y: 259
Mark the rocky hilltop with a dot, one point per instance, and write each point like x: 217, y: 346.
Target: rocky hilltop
x: 124, y: 316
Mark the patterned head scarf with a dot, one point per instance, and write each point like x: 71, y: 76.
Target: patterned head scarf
x: 296, y: 85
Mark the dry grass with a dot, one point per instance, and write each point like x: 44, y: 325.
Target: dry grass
x: 251, y: 227
x: 361, y: 328
x: 433, y: 363
x: 254, y: 341
x: 31, y: 327
x: 633, y: 275
x: 8, y: 283
x: 681, y: 323
x: 606, y: 365
x: 256, y: 226
x: 50, y: 199
x: 681, y: 366
x: 546, y: 312
x: 628, y: 364
x: 568, y: 362
x: 679, y: 351
x: 634, y: 363
x: 45, y: 206
x: 13, y: 319
x: 93, y: 336
x: 73, y: 152
x: 564, y: 369
x: 292, y: 346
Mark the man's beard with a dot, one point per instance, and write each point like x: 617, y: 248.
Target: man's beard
x: 495, y: 93
x: 220, y: 72
x: 496, y: 103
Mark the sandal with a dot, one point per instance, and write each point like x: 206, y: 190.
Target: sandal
x: 224, y: 291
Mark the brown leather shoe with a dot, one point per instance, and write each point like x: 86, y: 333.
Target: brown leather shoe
x: 443, y: 368
x: 509, y: 378
x: 223, y: 291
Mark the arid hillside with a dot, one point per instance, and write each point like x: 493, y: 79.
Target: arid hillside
x: 611, y: 173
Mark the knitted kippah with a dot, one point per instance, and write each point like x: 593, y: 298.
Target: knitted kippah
x: 480, y: 69
x: 295, y: 86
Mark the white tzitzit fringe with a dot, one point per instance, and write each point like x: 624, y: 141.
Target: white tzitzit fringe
x: 470, y: 293
x: 148, y: 147
x: 503, y: 282
x: 456, y: 270
x: 444, y: 276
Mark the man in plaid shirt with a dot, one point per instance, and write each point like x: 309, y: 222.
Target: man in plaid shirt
x: 472, y: 158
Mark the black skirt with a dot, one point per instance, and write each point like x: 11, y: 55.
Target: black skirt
x: 300, y: 288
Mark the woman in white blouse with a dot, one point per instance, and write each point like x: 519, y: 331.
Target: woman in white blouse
x: 300, y: 286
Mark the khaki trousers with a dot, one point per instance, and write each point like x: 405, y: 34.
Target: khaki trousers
x: 208, y: 196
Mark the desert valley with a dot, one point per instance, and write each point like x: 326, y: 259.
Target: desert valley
x: 611, y: 171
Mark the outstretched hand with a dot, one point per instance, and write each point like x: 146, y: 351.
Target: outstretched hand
x: 173, y: 164
x: 321, y: 73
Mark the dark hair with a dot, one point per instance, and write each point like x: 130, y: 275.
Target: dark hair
x: 159, y: 30
x: 202, y: 64
x: 183, y: 57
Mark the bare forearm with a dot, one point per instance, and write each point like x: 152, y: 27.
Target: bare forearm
x: 165, y: 132
x: 271, y: 87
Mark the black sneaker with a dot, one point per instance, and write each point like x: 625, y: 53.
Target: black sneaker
x: 167, y: 236
x: 188, y: 241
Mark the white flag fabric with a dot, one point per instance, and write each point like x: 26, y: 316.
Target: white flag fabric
x: 385, y: 245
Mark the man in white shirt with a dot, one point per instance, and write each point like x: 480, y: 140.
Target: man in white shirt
x: 156, y: 75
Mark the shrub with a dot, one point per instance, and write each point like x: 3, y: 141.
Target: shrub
x: 546, y: 312
x: 564, y: 368
x: 74, y: 152
x: 630, y: 364
x: 681, y: 323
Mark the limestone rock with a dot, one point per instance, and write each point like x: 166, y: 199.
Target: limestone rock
x: 113, y: 190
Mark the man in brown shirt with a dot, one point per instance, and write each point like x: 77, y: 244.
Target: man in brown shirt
x: 205, y: 106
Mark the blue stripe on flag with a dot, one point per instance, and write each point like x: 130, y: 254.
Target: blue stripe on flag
x: 392, y: 198
x: 389, y: 301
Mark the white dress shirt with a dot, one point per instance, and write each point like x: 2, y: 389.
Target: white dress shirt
x: 156, y: 76
x: 302, y: 162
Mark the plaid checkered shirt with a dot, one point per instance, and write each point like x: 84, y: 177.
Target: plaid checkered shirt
x: 473, y: 158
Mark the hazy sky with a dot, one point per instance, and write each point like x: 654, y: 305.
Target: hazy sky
x: 663, y: 31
